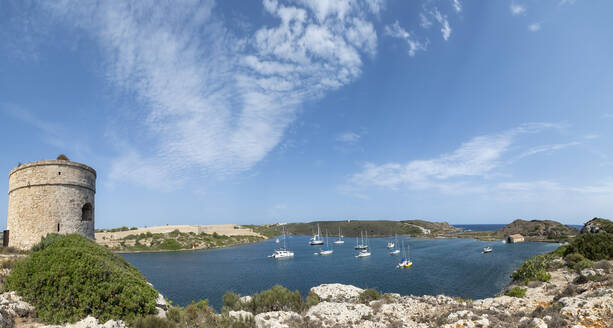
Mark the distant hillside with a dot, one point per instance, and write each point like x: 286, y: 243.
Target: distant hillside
x: 374, y: 228
x: 538, y: 230
x: 596, y: 225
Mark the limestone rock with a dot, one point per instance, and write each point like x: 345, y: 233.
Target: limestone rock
x: 337, y: 292
x: 329, y: 314
x: 538, y: 323
x: 241, y: 315
x: 277, y: 319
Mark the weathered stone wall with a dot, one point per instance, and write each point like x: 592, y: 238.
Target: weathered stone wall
x: 47, y: 197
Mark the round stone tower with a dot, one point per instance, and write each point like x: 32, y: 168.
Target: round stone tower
x: 49, y: 197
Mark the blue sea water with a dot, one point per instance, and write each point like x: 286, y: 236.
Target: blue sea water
x: 480, y: 227
x: 455, y: 267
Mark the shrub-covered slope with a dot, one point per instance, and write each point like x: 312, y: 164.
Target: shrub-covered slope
x: 68, y: 277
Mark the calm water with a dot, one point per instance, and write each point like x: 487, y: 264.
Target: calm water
x: 480, y: 227
x: 454, y: 267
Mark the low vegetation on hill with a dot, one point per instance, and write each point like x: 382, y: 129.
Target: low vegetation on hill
x: 538, y: 230
x: 596, y: 225
x: 374, y: 228
x: 176, y: 240
x: 68, y: 277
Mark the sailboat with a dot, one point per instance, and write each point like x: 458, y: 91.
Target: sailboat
x: 390, y: 244
x: 395, y: 250
x: 405, y: 262
x: 282, y: 252
x: 362, y: 245
x: 364, y: 252
x: 340, y: 237
x: 326, y: 250
x: 316, y: 239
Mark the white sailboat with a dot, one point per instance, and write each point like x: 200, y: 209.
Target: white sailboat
x: 282, y: 252
x: 316, y: 239
x: 395, y: 250
x: 326, y: 250
x: 391, y: 244
x: 362, y: 245
x: 405, y: 262
x: 364, y: 252
x: 340, y: 237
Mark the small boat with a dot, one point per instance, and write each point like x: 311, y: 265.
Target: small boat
x: 282, y: 252
x: 316, y: 239
x: 362, y: 245
x: 277, y: 241
x: 363, y: 253
x: 340, y: 237
x: 391, y: 244
x: 326, y: 250
x: 405, y: 261
x: 488, y: 249
x: 394, y: 251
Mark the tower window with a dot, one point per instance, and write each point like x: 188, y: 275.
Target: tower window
x: 58, y: 227
x: 87, y: 212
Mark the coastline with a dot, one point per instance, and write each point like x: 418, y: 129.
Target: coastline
x: 183, y: 249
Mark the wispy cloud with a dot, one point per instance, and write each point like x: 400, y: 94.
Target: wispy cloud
x: 348, y: 137
x: 442, y: 19
x: 396, y: 31
x: 534, y: 27
x: 424, y: 22
x: 548, y: 148
x: 215, y: 102
x: 517, y: 9
x: 457, y: 5
x: 477, y: 157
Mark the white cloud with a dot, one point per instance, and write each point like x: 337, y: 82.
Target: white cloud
x: 547, y: 148
x: 534, y: 27
x: 477, y: 157
x: 424, y: 21
x: 348, y: 137
x: 457, y: 5
x: 442, y: 19
x: 216, y: 103
x: 517, y: 9
x: 396, y: 31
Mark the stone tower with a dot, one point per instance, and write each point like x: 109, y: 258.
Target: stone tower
x: 54, y: 196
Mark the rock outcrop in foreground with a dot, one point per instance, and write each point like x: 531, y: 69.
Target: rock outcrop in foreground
x: 567, y: 300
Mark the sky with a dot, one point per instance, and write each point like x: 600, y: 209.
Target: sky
x: 209, y: 112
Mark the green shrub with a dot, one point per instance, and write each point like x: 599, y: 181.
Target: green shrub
x: 584, y: 264
x: 174, y: 233
x: 594, y: 246
x: 311, y: 300
x: 231, y: 301
x: 134, y: 228
x: 278, y: 298
x: 516, y: 292
x: 560, y: 251
x: 369, y: 295
x: 170, y: 244
x: 69, y: 277
x: 534, y: 268
x: 153, y: 322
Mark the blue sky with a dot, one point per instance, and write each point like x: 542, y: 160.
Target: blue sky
x: 265, y: 111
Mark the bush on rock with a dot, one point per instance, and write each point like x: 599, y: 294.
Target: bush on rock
x: 68, y: 277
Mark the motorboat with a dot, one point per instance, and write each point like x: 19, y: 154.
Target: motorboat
x: 282, y: 252
x: 487, y: 249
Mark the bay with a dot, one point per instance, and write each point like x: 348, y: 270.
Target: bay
x: 454, y: 267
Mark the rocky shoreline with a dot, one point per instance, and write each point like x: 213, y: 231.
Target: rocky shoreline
x: 560, y: 302
x: 568, y: 299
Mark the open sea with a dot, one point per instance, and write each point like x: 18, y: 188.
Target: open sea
x: 455, y: 267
